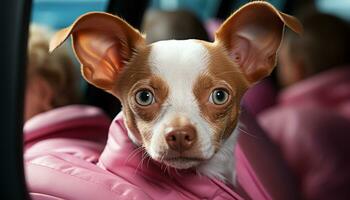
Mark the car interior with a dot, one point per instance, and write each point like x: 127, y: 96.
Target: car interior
x: 17, y: 16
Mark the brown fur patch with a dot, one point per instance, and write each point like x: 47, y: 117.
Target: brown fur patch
x: 136, y: 76
x: 222, y: 73
x: 160, y: 91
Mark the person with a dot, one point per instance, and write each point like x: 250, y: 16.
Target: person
x: 311, y: 120
x: 52, y: 80
x: 178, y: 25
x: 52, y: 113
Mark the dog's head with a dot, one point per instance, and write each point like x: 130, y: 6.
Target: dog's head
x: 180, y: 98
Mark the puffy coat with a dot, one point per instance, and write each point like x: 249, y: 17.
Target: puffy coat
x: 311, y: 126
x: 122, y: 173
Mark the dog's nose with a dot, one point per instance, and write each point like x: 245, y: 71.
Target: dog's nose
x: 181, y: 139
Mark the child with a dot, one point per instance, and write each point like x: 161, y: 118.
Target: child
x: 52, y: 115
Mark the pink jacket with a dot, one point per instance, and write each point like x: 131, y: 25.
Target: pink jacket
x: 75, y: 129
x: 124, y: 173
x: 260, y: 97
x: 311, y: 125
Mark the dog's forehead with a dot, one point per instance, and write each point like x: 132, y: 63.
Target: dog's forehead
x: 179, y: 59
x: 179, y: 63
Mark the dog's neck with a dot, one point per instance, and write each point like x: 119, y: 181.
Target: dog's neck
x: 221, y: 166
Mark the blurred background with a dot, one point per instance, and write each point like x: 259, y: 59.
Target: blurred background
x: 60, y: 13
x: 304, y: 106
x: 57, y: 14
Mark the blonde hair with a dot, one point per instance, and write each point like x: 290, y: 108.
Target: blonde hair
x: 57, y: 68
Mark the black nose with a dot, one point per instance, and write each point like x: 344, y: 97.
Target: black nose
x: 181, y: 139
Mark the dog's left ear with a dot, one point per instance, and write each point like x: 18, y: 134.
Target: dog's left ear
x: 252, y: 36
x: 103, y: 43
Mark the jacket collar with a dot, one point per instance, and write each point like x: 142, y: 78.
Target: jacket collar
x: 123, y: 158
x: 64, y: 118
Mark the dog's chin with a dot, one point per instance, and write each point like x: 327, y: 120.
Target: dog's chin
x: 182, y: 162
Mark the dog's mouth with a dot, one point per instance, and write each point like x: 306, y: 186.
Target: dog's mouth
x: 182, y: 162
x: 183, y: 159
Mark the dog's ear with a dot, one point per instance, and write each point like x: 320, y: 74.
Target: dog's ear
x: 252, y: 36
x: 103, y: 43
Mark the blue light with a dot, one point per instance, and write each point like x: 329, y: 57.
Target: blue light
x: 61, y: 13
x: 339, y: 8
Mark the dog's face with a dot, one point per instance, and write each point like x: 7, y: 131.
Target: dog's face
x: 180, y: 98
x: 183, y: 103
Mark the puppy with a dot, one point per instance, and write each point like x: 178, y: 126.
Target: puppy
x: 181, y: 97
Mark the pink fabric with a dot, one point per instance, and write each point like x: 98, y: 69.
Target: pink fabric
x: 261, y: 170
x: 247, y: 178
x: 78, y: 130
x: 311, y: 126
x: 260, y: 97
x: 122, y: 158
x: 123, y: 172
x: 60, y: 115
x: 63, y: 176
x: 330, y: 90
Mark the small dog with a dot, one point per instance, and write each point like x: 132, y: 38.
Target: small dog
x: 181, y: 97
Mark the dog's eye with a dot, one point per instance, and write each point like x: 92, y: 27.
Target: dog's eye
x: 144, y: 97
x: 219, y: 96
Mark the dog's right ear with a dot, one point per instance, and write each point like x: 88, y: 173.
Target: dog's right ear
x: 252, y: 36
x: 103, y: 43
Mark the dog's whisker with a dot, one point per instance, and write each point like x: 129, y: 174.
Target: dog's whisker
x: 148, y: 161
x: 244, y: 131
x: 164, y: 168
x: 140, y: 164
x: 177, y: 172
x: 133, y: 154
x: 144, y: 156
x: 136, y: 169
x: 168, y: 169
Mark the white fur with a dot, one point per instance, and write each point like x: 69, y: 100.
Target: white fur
x: 179, y: 63
x: 222, y: 165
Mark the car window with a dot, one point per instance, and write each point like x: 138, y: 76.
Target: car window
x: 205, y: 9
x: 60, y: 13
x: 339, y: 8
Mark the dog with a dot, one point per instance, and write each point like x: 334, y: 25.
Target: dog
x: 181, y: 98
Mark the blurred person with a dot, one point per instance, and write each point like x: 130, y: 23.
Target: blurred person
x: 324, y: 46
x: 51, y: 110
x: 167, y: 25
x: 311, y: 122
x: 52, y: 80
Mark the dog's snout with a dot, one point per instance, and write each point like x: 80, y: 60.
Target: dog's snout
x: 181, y: 139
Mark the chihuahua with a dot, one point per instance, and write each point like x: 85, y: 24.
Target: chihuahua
x: 181, y: 98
